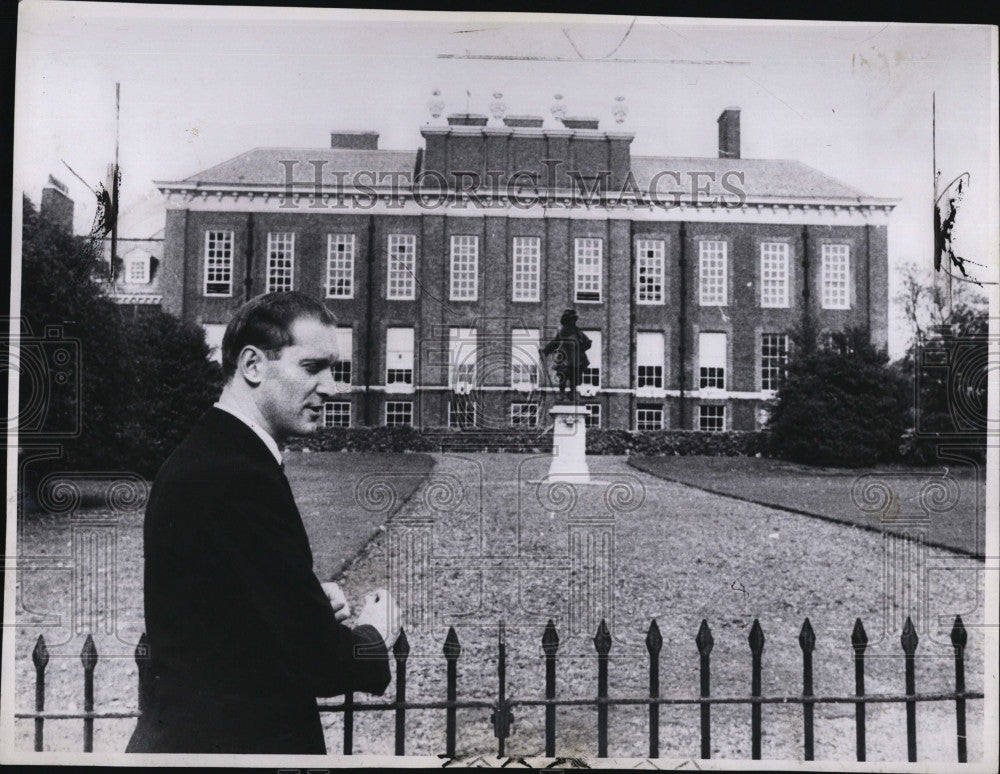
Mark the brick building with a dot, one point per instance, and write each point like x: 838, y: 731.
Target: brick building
x: 447, y: 266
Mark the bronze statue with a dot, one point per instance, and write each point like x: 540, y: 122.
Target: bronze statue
x: 570, y: 346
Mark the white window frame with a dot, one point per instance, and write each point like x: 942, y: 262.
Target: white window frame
x: 224, y: 263
x: 766, y: 367
x: 775, y: 262
x: 593, y: 418
x: 280, y: 249
x: 526, y: 253
x: 835, y: 292
x: 328, y: 412
x: 651, y: 390
x: 594, y: 356
x: 650, y: 255
x: 464, y: 261
x: 705, y: 367
x: 713, y: 272
x: 345, y: 347
x: 143, y: 261
x: 453, y: 409
x: 588, y: 251
x: 340, y: 265
x: 521, y: 408
x: 463, y: 356
x: 214, y: 333
x: 397, y: 407
x: 525, y: 359
x: 401, y: 267
x: 408, y: 356
x: 701, y: 417
x: 651, y: 409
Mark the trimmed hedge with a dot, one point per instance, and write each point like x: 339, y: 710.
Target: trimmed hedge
x: 599, y: 441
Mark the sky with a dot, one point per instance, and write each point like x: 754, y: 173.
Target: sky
x: 201, y: 85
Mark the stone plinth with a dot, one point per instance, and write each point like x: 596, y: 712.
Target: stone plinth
x: 569, y: 445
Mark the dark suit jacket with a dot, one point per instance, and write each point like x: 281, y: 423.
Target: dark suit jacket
x: 242, y: 638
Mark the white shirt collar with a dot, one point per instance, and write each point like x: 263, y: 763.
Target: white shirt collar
x: 265, y: 436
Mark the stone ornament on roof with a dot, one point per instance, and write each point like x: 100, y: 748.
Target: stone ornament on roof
x: 497, y: 108
x: 436, y: 106
x: 558, y: 108
x: 619, y: 110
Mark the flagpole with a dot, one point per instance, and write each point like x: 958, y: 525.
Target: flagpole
x: 114, y: 188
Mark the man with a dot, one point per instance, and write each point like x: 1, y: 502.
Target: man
x: 570, y: 345
x: 242, y: 636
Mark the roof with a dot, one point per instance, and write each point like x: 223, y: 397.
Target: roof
x: 263, y: 166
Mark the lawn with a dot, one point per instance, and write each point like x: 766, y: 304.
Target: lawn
x: 947, y: 504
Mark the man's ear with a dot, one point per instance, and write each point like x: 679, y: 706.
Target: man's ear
x: 250, y: 364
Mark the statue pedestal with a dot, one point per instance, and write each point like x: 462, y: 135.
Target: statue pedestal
x: 569, y: 445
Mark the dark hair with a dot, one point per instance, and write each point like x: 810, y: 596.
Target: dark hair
x: 266, y: 322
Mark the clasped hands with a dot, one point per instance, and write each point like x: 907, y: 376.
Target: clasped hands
x: 379, y: 610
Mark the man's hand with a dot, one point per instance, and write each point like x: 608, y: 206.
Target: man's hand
x: 380, y: 610
x: 338, y: 601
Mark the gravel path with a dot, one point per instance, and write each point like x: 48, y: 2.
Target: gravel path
x: 481, y: 541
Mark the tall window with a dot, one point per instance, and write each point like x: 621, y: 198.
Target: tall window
x: 835, y: 276
x: 342, y: 368
x: 464, y: 268
x: 337, y: 413
x: 402, y: 281
x: 593, y: 418
x: 588, y: 253
x: 712, y: 273
x: 712, y: 361
x: 218, y: 263
x: 461, y: 412
x: 340, y: 266
x: 649, y: 360
x: 399, y: 359
x: 774, y: 275
x: 592, y: 374
x: 649, y: 271
x: 461, y: 356
x: 648, y: 417
x: 398, y: 412
x: 712, y: 418
x: 524, y: 414
x: 280, y: 262
x: 773, y: 360
x: 527, y: 268
x: 524, y: 357
x: 137, y: 269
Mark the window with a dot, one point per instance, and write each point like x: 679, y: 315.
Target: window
x: 835, y: 272
x: 398, y: 412
x: 340, y: 266
x: 649, y: 271
x: 399, y: 359
x: 213, y: 337
x: 592, y: 374
x: 461, y: 413
x: 524, y: 414
x: 649, y: 361
x: 461, y: 356
x: 402, y: 284
x: 464, y: 268
x: 711, y: 273
x: 524, y: 358
x: 712, y: 361
x: 527, y: 268
x: 774, y: 275
x: 712, y: 418
x: 337, y: 413
x: 137, y: 269
x: 648, y: 417
x: 342, y: 368
x: 588, y: 269
x: 593, y: 418
x: 218, y: 263
x: 773, y: 360
x: 280, y: 262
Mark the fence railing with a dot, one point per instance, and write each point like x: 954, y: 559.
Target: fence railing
x: 502, y: 715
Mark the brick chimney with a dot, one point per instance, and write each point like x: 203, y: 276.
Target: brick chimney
x: 729, y: 133
x: 351, y: 140
x: 56, y: 206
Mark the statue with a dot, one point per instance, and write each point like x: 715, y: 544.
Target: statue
x: 570, y: 346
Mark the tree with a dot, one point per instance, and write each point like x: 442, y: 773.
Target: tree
x: 840, y: 404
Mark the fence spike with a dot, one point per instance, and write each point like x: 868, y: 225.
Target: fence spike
x: 602, y: 640
x: 401, y: 647
x: 550, y: 638
x: 909, y: 638
x: 451, y: 647
x: 654, y: 640
x: 807, y: 638
x: 756, y: 637
x: 859, y: 638
x: 89, y: 653
x: 704, y: 639
x: 40, y: 653
x: 141, y: 650
x: 959, y: 636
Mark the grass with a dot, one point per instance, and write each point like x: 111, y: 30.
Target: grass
x: 949, y: 503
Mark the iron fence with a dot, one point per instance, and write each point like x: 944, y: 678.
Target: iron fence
x: 502, y: 707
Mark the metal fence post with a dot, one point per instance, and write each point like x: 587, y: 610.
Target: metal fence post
x: 859, y: 641
x: 909, y: 641
x: 654, y: 642
x: 349, y: 723
x: 602, y: 642
x: 141, y: 663
x: 958, y: 639
x: 550, y: 644
x: 756, y: 649
x: 502, y: 717
x: 704, y: 642
x: 400, y: 650
x: 40, y: 658
x: 89, y: 658
x: 451, y: 652
x: 807, y: 641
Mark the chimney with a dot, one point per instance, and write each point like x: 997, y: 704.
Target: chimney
x: 56, y: 206
x: 351, y: 140
x: 729, y: 133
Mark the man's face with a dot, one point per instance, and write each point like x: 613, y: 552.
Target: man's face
x: 296, y: 385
